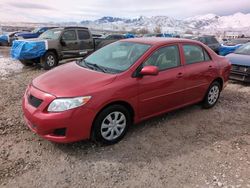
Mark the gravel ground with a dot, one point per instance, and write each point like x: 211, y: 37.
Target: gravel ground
x: 190, y: 147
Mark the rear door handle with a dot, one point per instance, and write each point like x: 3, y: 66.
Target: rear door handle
x: 210, y: 66
x: 179, y: 75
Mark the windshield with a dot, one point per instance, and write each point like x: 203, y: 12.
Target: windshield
x: 51, y: 34
x: 116, y: 57
x: 245, y: 49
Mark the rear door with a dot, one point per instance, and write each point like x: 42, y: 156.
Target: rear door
x: 200, y: 70
x: 86, y: 44
x: 69, y: 42
x: 165, y: 91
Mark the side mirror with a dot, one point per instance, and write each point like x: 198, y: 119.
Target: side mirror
x: 149, y: 70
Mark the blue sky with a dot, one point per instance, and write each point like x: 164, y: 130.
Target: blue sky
x: 77, y: 10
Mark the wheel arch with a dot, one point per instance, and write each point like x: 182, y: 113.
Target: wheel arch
x: 220, y: 80
x: 54, y: 51
x: 125, y: 104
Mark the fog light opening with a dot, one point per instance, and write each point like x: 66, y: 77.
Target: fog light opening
x: 60, y: 132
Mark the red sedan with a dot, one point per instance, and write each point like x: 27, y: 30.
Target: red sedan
x: 120, y: 85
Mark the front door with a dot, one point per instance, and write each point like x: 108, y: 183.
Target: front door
x: 165, y: 91
x: 69, y: 42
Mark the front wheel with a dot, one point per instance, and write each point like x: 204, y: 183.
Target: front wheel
x: 49, y: 60
x: 212, y: 95
x: 111, y: 125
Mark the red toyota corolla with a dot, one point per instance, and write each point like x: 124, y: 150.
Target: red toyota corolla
x: 120, y: 85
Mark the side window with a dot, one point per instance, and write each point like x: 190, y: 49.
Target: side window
x: 165, y: 58
x: 207, y: 57
x: 69, y: 35
x: 208, y: 40
x: 83, y: 34
x: 202, y: 40
x: 214, y: 40
x: 195, y: 54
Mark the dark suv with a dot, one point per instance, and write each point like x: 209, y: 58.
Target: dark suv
x: 101, y: 42
x: 210, y: 41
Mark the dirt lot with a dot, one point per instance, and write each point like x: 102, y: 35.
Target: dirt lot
x: 190, y: 147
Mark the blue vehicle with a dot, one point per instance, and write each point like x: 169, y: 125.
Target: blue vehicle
x: 230, y: 46
x: 4, y: 39
x: 224, y: 49
x: 240, y: 60
x: 7, y: 38
x: 33, y: 34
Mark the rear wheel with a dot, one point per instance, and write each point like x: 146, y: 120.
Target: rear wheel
x: 49, y: 60
x: 212, y: 95
x: 111, y: 125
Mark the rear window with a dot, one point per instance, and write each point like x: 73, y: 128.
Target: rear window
x: 83, y: 34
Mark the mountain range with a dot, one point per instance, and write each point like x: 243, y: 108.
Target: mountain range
x: 201, y: 23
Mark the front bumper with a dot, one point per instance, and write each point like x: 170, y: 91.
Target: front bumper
x: 76, y: 122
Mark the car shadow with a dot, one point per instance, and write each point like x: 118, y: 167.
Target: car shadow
x: 186, y: 130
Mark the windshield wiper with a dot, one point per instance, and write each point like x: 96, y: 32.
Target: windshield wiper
x: 94, y: 66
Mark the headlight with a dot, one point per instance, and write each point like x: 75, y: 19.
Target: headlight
x: 59, y: 105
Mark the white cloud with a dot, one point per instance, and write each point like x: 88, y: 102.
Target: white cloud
x: 77, y: 10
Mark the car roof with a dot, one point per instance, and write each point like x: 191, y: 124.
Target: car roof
x: 72, y: 27
x: 159, y: 40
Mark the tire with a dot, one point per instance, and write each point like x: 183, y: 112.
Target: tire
x: 27, y: 62
x: 49, y: 60
x: 103, y: 128
x: 212, y: 95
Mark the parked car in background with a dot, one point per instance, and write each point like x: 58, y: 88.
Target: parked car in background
x: 162, y: 35
x: 225, y: 40
x: 101, y: 42
x: 121, y: 84
x: 33, y: 34
x: 7, y: 38
x: 240, y: 61
x: 210, y: 41
x: 234, y: 42
x: 232, y: 45
x: 4, y: 40
x: 97, y: 36
x: 53, y: 46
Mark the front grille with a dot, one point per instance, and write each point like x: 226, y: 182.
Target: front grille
x: 239, y: 68
x: 33, y: 101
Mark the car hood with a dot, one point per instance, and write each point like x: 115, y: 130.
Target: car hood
x: 71, y: 80
x: 239, y: 59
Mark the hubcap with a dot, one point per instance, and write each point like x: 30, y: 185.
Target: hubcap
x: 113, y: 125
x: 50, y: 60
x: 213, y: 94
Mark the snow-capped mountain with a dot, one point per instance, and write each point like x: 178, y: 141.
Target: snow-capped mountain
x: 211, y: 22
